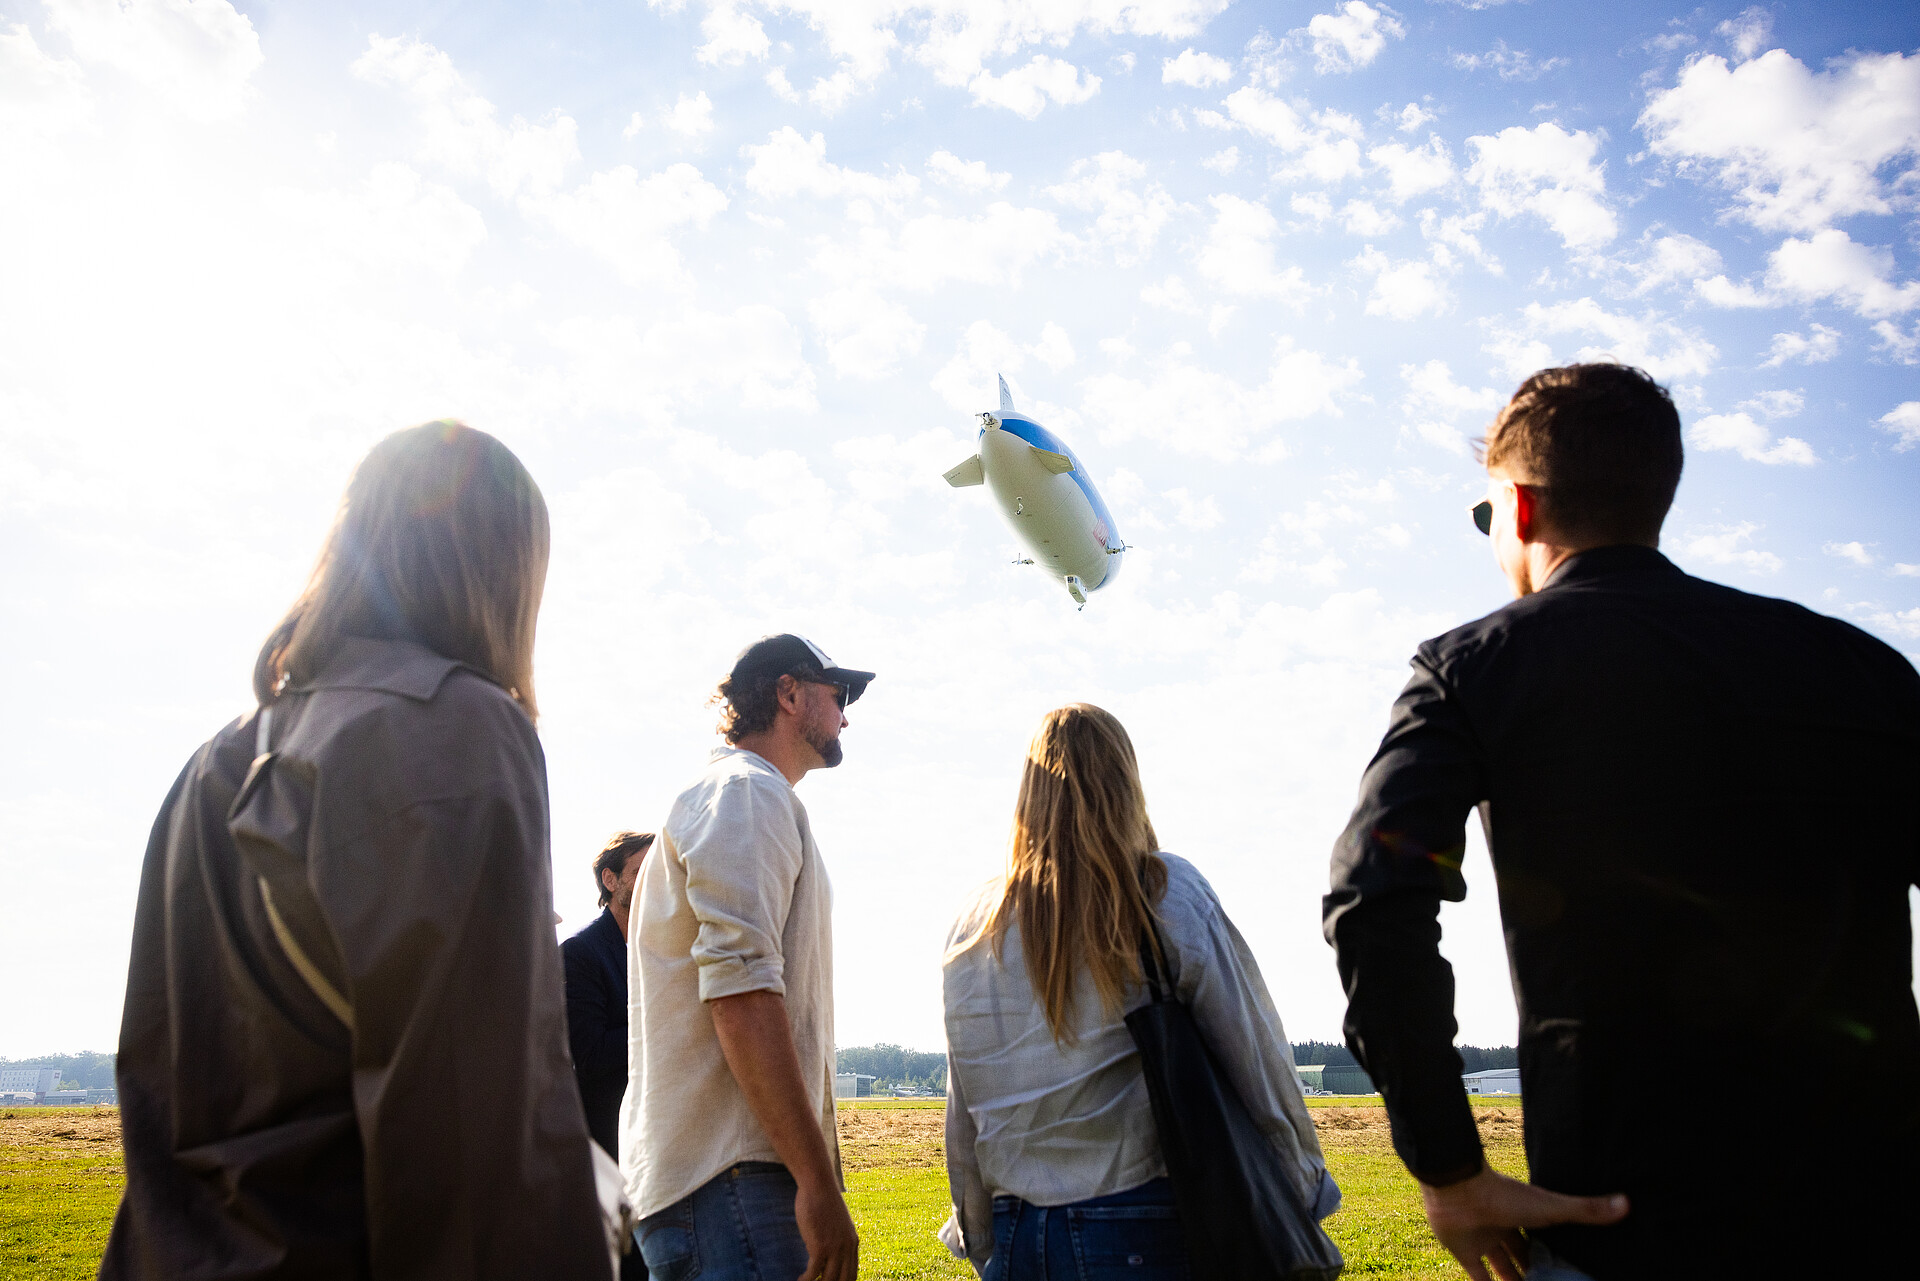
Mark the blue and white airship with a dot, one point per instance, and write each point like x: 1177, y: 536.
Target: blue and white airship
x: 1047, y: 497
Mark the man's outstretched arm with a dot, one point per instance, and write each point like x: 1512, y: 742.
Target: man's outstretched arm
x: 1398, y: 859
x: 757, y: 1041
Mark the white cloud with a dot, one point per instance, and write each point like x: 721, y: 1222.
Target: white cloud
x: 1351, y: 36
x: 1722, y: 545
x: 1903, y: 423
x: 1434, y: 402
x: 460, y: 132
x: 1199, y: 70
x: 1799, y: 149
x: 1658, y: 345
x: 1311, y: 204
x: 1904, y: 570
x: 1901, y: 344
x: 1414, y: 171
x: 197, y: 55
x: 1360, y: 218
x: 1747, y: 31
x: 617, y: 364
x: 991, y: 248
x: 732, y: 37
x: 788, y: 165
x: 1026, y: 90
x: 985, y: 350
x: 635, y: 124
x: 1507, y: 63
x: 1403, y: 290
x: 1129, y: 217
x: 1817, y: 346
x: 625, y: 219
x: 1855, y: 551
x: 1673, y: 260
x: 1411, y: 117
x: 1739, y: 433
x: 1171, y: 294
x: 1202, y: 513
x: 1548, y: 172
x: 949, y: 170
x: 691, y: 117
x: 1718, y: 291
x: 1238, y: 256
x: 865, y: 335
x: 1054, y: 349
x: 1829, y: 265
x: 1219, y: 417
x: 1223, y: 162
x: 38, y: 92
x: 782, y: 87
x: 1325, y: 150
x: 1456, y: 231
x: 1780, y: 403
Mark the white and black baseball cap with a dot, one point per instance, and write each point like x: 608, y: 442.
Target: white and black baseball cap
x: 789, y: 655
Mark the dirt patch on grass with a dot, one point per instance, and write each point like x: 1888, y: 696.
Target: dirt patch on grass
x: 1368, y: 1127
x: 894, y: 1137
x: 88, y: 1131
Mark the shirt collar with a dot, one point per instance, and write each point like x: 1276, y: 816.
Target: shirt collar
x: 753, y: 758
x: 1605, y: 562
x: 389, y: 666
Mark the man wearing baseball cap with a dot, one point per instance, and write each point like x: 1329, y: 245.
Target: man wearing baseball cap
x: 727, y: 1133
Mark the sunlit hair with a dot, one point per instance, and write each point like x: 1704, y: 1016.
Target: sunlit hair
x: 1083, y: 874
x: 441, y: 539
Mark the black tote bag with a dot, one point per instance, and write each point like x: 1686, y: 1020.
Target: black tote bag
x: 1239, y: 1210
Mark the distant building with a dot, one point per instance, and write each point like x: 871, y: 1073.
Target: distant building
x: 29, y: 1078
x: 65, y: 1098
x: 852, y: 1085
x: 1493, y: 1081
x: 1346, y: 1078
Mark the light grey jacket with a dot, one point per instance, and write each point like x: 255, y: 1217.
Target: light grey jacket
x: 1054, y: 1124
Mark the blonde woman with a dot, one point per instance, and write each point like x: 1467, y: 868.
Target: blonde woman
x: 344, y: 1051
x: 1052, y: 1156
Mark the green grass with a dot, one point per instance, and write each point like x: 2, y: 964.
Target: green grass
x: 57, y: 1199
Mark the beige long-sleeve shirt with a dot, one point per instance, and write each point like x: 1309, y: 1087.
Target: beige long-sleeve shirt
x: 735, y: 899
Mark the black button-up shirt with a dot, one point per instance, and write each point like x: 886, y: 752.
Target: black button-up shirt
x: 1700, y: 806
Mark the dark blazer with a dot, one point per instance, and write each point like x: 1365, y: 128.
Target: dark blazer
x: 1701, y: 811
x: 596, y: 968
x: 403, y: 1108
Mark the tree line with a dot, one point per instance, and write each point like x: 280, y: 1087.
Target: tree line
x: 893, y: 1065
x: 89, y: 1071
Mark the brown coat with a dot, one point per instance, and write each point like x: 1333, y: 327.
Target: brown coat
x: 410, y: 1112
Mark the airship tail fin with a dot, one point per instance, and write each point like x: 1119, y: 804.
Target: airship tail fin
x: 1057, y: 463
x: 967, y: 473
x: 1006, y: 397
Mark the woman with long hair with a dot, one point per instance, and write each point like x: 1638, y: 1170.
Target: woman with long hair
x: 344, y: 1050
x: 1052, y: 1156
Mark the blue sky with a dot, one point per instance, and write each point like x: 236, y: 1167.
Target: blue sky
x: 732, y: 278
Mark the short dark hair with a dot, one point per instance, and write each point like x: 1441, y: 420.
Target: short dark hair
x: 749, y: 702
x: 620, y: 847
x: 1602, y: 440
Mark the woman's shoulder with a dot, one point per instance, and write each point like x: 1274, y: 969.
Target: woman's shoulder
x: 968, y: 931
x: 1187, y: 886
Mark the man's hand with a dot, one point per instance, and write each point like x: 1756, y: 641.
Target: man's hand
x: 758, y: 1044
x: 833, y: 1247
x: 1480, y: 1219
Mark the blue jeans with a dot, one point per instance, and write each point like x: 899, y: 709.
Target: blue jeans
x: 1133, y: 1235
x: 737, y: 1226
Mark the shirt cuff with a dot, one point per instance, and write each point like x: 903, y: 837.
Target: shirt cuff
x: 736, y: 975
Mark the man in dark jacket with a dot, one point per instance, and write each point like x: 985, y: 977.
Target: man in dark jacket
x: 1699, y: 808
x: 595, y: 960
x: 596, y: 967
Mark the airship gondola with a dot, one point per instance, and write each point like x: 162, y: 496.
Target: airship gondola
x: 1047, y: 497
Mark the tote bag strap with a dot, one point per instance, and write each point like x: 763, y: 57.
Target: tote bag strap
x: 1153, y: 949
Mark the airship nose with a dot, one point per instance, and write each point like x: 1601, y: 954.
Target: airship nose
x: 989, y: 423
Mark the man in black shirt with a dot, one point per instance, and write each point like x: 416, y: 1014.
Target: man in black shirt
x: 1699, y: 805
x: 595, y: 960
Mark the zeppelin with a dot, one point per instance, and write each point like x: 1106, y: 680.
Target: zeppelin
x: 1047, y: 497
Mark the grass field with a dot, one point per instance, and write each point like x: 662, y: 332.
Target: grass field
x: 60, y: 1179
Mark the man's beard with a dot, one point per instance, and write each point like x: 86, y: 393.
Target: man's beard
x: 828, y: 748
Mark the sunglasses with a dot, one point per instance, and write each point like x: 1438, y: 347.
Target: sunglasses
x: 839, y: 693
x: 1483, y: 516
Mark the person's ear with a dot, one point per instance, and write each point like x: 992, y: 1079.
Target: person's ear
x: 609, y: 885
x: 1526, y: 513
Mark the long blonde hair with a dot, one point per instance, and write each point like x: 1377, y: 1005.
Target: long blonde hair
x: 442, y: 539
x: 1083, y: 873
